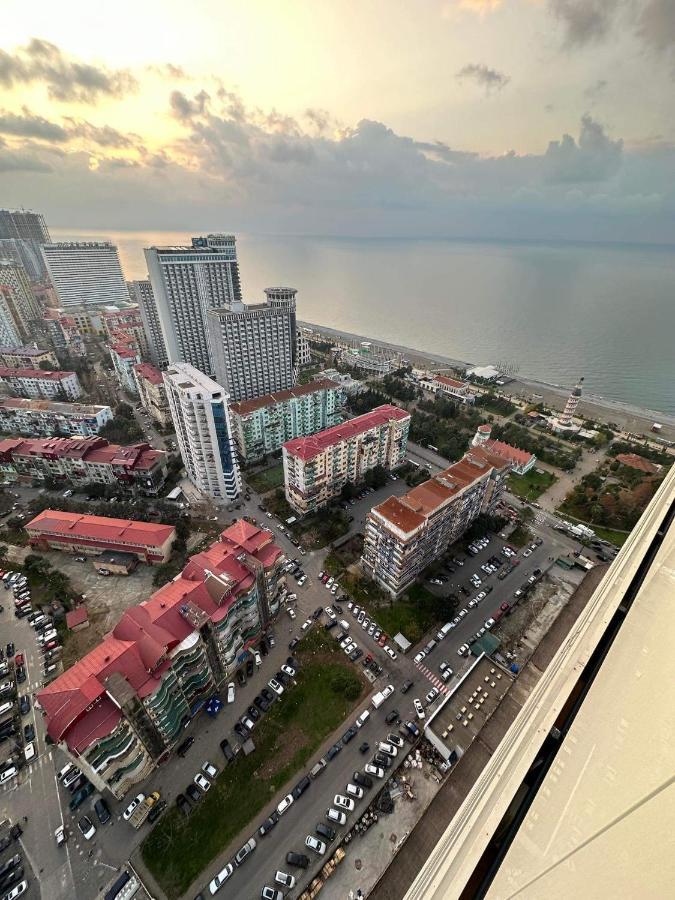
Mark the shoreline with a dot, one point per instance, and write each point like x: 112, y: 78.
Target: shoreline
x: 630, y: 417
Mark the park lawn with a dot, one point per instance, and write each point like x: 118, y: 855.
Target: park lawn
x: 179, y: 848
x: 267, y: 480
x: 532, y: 484
x: 413, y: 615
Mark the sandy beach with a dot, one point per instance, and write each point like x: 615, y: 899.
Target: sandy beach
x: 628, y: 417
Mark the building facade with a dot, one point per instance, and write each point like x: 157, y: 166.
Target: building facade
x: 152, y: 392
x: 406, y: 534
x: 255, y: 346
x: 59, y: 385
x: 521, y: 461
x: 86, y: 273
x: 26, y: 254
x: 201, y: 419
x: 123, y: 708
x: 24, y: 225
x: 78, y: 461
x: 265, y: 424
x: 55, y: 529
x: 18, y: 301
x: 317, y: 468
x: 126, y: 324
x: 186, y: 283
x: 47, y: 418
x: 125, y: 356
x: 141, y: 292
x: 304, y: 351
x: 28, y: 357
x: 449, y: 387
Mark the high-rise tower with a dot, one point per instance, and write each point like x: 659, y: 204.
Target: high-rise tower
x: 564, y: 422
x: 86, y: 273
x: 141, y: 292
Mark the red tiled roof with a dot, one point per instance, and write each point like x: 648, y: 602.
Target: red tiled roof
x: 309, y: 447
x: 6, y: 372
x: 244, y: 407
x: 150, y: 373
x: 451, y: 382
x: 124, y: 352
x: 77, y: 707
x: 90, y: 449
x: 506, y: 451
x: 76, y: 616
x: 99, y: 528
x: 633, y: 461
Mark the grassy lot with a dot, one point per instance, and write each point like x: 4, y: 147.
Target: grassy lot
x: 531, y: 485
x: 268, y: 479
x: 521, y: 536
x: 178, y: 849
x: 413, y: 614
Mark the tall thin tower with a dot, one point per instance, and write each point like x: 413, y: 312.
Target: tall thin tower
x: 565, y: 420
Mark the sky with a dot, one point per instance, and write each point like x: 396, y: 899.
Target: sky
x: 493, y: 119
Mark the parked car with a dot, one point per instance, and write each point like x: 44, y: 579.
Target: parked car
x: 297, y: 859
x: 244, y: 852
x: 220, y: 879
x: 318, y: 846
x: 268, y: 824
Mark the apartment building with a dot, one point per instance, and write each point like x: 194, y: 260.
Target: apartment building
x: 86, y: 273
x: 263, y: 425
x: 18, y: 302
x: 50, y: 418
x: 22, y: 234
x: 122, y: 709
x: 28, y: 357
x: 125, y: 355
x: 73, y: 462
x: 152, y: 393
x: 63, y: 332
x: 304, y: 352
x: 122, y: 324
x: 141, y: 293
x: 254, y: 346
x: 201, y: 418
x: 405, y: 534
x: 48, y: 385
x: 186, y: 282
x: 521, y: 461
x: 316, y: 468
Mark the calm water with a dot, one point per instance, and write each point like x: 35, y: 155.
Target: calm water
x: 557, y: 311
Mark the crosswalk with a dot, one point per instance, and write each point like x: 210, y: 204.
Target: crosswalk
x: 434, y: 679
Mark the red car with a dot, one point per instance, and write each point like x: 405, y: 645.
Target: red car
x: 19, y: 660
x: 383, y: 639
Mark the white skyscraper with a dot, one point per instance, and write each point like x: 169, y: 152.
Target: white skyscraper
x: 254, y: 346
x: 187, y: 282
x: 201, y: 417
x: 141, y: 292
x: 18, y: 299
x: 86, y: 274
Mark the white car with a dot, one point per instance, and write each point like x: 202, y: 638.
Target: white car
x: 275, y: 686
x: 330, y: 581
x: 334, y: 589
x: 209, y: 769
x: 431, y: 696
x: 370, y: 769
x: 303, y: 579
x: 128, y: 812
x: 343, y: 802
x: 388, y: 691
x: 527, y: 552
x: 489, y: 623
x: 387, y: 649
x: 354, y: 790
x: 88, y: 830
x: 29, y: 751
x: 419, y: 709
x: 222, y: 876
x: 365, y: 623
x: 447, y: 674
x: 315, y: 844
x: 335, y: 815
x: 285, y: 803
x: 230, y: 692
x: 291, y: 612
x: 389, y: 749
x: 284, y: 879
x: 307, y: 624
x: 420, y: 656
x: 463, y: 650
x: 329, y: 612
x: 202, y: 782
x: 472, y: 603
x: 395, y: 739
x: 289, y: 670
x: 463, y: 612
x: 350, y: 647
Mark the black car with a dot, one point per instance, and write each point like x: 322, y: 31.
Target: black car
x: 330, y: 625
x: 193, y: 793
x: 301, y: 787
x: 20, y: 674
x: 183, y: 804
x: 241, y: 677
x: 79, y: 782
x: 317, y: 612
x: 228, y: 752
x: 29, y: 732
x: 375, y: 667
x: 268, y: 824
x: 364, y: 780
x: 337, y: 608
x: 268, y: 694
x: 334, y: 750
x: 283, y: 678
x: 356, y: 654
x: 10, y: 864
x: 382, y: 760
x: 241, y: 730
x: 292, y: 662
x: 10, y: 649
x: 294, y: 643
x: 156, y: 811
x: 249, y: 667
x: 12, y: 878
x: 297, y: 859
x: 24, y: 704
x: 183, y: 748
x: 102, y: 811
x: 261, y: 703
x: 263, y: 647
x: 22, y: 611
x: 405, y: 687
x: 253, y: 712
x: 392, y: 717
x: 365, y: 747
x: 325, y: 831
x: 4, y: 843
x: 349, y: 734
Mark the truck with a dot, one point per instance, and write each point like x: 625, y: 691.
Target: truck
x: 140, y: 814
x: 378, y: 700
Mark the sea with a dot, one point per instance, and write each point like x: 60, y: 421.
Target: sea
x: 549, y: 311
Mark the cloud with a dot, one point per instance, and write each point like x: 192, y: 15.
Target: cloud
x: 656, y: 24
x: 485, y: 77
x: 20, y: 161
x: 31, y: 126
x: 185, y: 109
x: 594, y: 157
x: 66, y: 79
x: 595, y: 90
x: 103, y: 135
x: 584, y: 21
x: 169, y: 70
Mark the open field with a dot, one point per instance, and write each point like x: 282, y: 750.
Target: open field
x: 267, y: 480
x: 178, y: 849
x: 531, y: 485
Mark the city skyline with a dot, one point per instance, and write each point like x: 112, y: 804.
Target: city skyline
x: 371, y: 125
